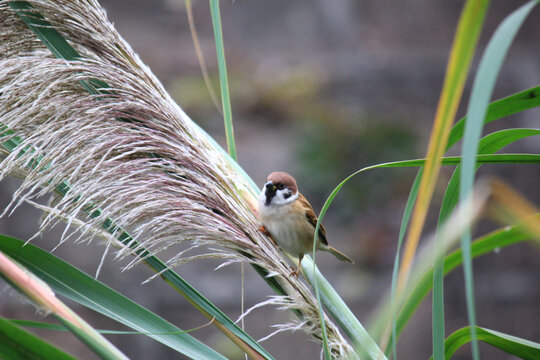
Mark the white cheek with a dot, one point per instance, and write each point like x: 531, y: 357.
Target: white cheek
x: 280, y: 199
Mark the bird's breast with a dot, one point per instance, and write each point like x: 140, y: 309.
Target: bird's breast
x: 289, y: 227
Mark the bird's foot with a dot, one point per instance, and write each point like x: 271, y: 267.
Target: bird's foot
x: 267, y: 233
x: 295, y: 272
x: 263, y: 230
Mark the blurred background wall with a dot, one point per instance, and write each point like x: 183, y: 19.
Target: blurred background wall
x: 321, y: 89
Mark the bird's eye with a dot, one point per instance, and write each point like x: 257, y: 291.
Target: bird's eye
x: 280, y: 186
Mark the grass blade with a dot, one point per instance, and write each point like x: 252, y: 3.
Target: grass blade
x: 463, y: 49
x: 44, y: 31
x: 85, y: 290
x: 418, y: 290
x: 483, y: 85
x: 513, y: 345
x: 513, y: 104
x: 57, y: 327
x: 362, y: 341
x: 224, y: 84
x: 42, y: 295
x: 509, y: 105
x: 18, y: 344
x: 488, y: 145
x: 60, y: 48
x: 403, y: 228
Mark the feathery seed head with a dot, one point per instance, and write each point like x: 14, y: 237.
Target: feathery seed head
x: 127, y: 152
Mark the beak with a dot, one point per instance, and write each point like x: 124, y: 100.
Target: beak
x: 270, y: 186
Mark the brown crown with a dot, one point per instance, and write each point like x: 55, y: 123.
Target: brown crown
x: 287, y: 180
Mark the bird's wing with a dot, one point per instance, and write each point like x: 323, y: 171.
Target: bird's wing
x: 312, y: 218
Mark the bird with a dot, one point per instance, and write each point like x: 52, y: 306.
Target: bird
x: 288, y: 218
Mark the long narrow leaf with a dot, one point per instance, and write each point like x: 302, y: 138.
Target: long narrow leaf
x: 417, y: 291
x: 250, y: 193
x: 513, y: 345
x: 497, y: 110
x: 362, y: 341
x: 467, y: 34
x: 402, y: 230
x: 60, y: 48
x: 512, y: 104
x: 224, y: 84
x: 83, y: 289
x: 483, y: 85
x: 354, y: 329
x: 21, y: 279
x: 488, y: 145
x: 58, y: 327
x: 18, y: 344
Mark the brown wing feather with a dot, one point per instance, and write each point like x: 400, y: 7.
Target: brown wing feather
x: 312, y: 218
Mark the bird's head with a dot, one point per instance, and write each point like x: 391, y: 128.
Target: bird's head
x: 280, y: 189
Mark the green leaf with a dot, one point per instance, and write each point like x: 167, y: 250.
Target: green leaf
x: 524, y: 349
x: 402, y: 230
x: 497, y: 110
x: 44, y: 31
x: 483, y: 85
x: 341, y: 313
x: 513, y: 104
x: 362, y: 342
x: 37, y: 291
x: 421, y: 287
x: 18, y: 344
x: 486, y: 244
x: 57, y: 327
x: 76, y: 285
x: 488, y: 145
x: 461, y: 55
x: 456, y: 160
x: 224, y: 84
x: 60, y: 48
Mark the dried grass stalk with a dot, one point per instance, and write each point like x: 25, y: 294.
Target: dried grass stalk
x: 133, y: 153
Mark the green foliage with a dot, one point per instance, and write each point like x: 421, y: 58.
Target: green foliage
x: 18, y: 344
x: 330, y: 148
x: 524, y: 349
x: 68, y: 281
x: 484, y: 82
x: 224, y: 84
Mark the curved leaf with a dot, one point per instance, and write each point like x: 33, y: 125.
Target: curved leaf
x: 513, y: 345
x: 499, y: 109
x: 76, y: 285
x: 461, y: 55
x: 61, y: 49
x: 39, y: 293
x: 487, y: 145
x: 421, y: 287
x: 484, y: 82
x: 18, y: 344
x: 512, y: 104
x: 486, y: 244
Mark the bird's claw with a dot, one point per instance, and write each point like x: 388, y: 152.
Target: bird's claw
x: 263, y: 229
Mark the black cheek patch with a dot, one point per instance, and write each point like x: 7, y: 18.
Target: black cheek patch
x: 269, y: 196
x: 287, y: 195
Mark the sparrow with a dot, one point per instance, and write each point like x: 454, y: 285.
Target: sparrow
x: 288, y: 218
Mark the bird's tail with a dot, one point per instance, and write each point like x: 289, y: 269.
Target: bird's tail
x: 341, y: 256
